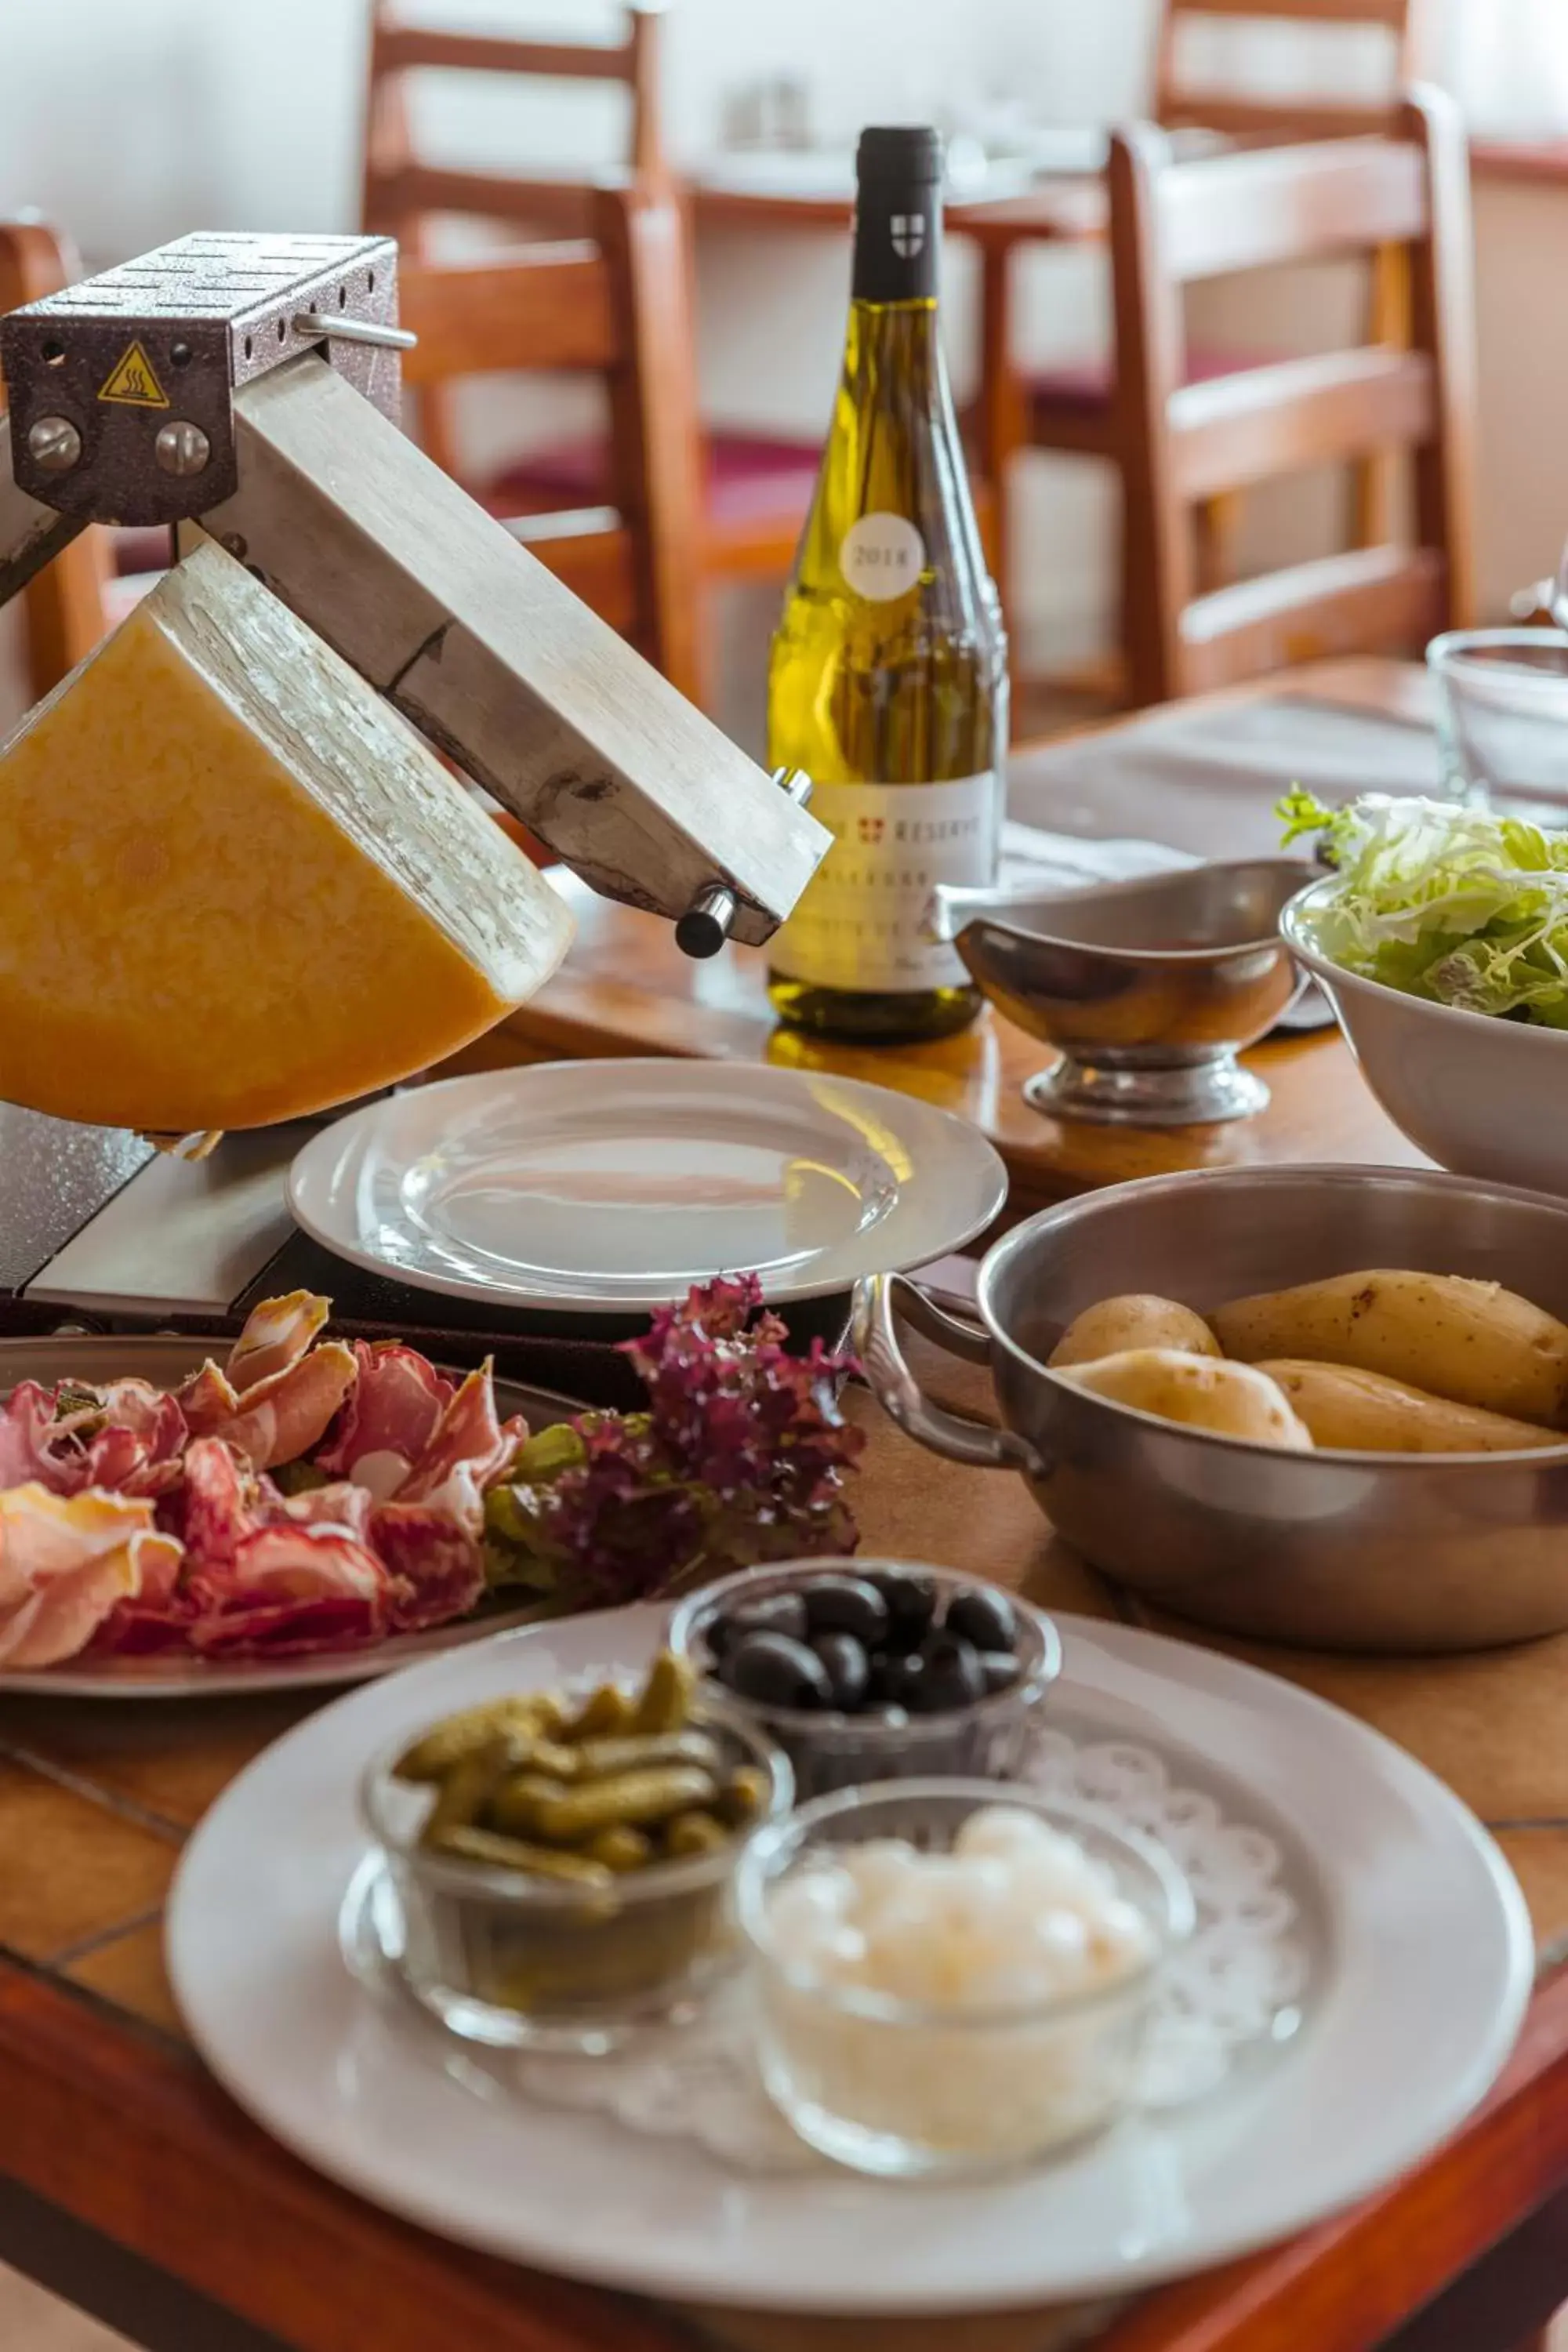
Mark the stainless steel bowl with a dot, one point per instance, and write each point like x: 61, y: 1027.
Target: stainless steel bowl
x: 1150, y: 988
x: 1339, y: 1550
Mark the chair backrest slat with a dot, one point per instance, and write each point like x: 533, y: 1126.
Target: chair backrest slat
x: 408, y: 48
x: 1263, y: 206
x: 1237, y: 430
x: 1374, y: 600
x: 1393, y: 14
x: 1183, y: 443
x: 551, y: 307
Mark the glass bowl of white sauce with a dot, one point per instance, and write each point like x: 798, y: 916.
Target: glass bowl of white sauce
x: 951, y: 1976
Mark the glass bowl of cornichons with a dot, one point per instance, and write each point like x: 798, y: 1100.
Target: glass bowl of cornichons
x: 563, y: 1861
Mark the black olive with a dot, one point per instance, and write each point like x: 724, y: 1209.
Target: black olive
x: 910, y: 1602
x: 1000, y: 1668
x: 848, y: 1669
x: 769, y: 1613
x: 846, y: 1604
x: 949, y: 1676
x: 983, y: 1616
x: 776, y: 1672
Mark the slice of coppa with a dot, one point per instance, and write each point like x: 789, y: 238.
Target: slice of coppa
x: 235, y: 885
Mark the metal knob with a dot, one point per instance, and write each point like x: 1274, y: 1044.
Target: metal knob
x: 705, y: 926
x: 181, y: 449
x: 54, y: 444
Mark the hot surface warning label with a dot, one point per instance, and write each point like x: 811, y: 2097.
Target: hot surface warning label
x: 132, y: 383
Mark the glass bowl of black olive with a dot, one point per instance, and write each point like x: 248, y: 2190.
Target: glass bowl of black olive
x: 875, y: 1669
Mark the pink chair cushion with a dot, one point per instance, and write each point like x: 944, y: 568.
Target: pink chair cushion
x: 748, y: 479
x: 1085, y: 385
x: 141, y: 550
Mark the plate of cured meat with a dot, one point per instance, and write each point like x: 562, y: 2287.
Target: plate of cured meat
x: 294, y: 1511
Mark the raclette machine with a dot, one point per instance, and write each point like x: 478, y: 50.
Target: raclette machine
x: 248, y: 386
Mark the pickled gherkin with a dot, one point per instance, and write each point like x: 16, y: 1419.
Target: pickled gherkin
x: 583, y: 1798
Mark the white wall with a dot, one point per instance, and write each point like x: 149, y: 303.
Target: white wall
x: 129, y: 123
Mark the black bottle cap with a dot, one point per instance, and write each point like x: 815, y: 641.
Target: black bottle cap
x: 902, y: 152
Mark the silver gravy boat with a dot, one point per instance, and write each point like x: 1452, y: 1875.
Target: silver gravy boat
x: 1149, y: 988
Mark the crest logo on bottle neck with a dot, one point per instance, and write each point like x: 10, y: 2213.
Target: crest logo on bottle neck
x: 908, y: 231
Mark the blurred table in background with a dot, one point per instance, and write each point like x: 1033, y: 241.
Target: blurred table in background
x: 1051, y: 193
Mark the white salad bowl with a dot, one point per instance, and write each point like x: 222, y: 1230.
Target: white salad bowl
x: 1480, y: 1094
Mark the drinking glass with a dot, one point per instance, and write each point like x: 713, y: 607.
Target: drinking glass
x: 1502, y: 716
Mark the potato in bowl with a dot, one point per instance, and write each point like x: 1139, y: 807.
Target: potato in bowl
x: 1358, y: 1548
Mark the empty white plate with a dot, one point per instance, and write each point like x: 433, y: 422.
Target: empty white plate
x: 614, y: 1186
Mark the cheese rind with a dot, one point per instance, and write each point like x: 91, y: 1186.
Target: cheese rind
x: 235, y: 885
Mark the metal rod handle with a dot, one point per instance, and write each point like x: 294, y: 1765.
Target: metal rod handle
x: 320, y: 327
x: 704, y: 928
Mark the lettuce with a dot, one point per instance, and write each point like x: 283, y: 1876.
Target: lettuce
x: 740, y: 1458
x: 1454, y: 904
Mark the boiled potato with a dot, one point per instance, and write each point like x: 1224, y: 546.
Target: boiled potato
x: 1472, y: 1342
x: 1366, y: 1412
x: 1230, y: 1399
x: 1119, y: 1325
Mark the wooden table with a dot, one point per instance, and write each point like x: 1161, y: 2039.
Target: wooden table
x: 109, y: 2116
x: 136, y: 2187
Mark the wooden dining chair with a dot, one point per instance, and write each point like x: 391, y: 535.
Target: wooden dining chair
x: 1180, y: 442
x: 615, y: 306
x: 754, y: 489
x: 63, y: 609
x: 1070, y: 409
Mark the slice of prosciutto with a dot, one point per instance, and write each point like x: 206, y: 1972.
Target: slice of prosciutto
x: 467, y: 1452
x: 435, y: 1564
x: 67, y: 1562
x: 392, y: 1414
x: 283, y: 1416
x: 126, y: 1437
x: 208, y: 1399
x: 276, y: 1335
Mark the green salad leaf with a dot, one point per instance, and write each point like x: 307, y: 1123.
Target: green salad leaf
x: 1454, y: 904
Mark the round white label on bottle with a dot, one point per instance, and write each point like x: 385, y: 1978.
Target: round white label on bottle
x: 882, y: 556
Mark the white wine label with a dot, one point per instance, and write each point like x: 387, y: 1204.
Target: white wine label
x: 882, y: 556
x: 866, y: 920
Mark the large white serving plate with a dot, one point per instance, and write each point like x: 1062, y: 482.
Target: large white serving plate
x: 166, y: 1361
x: 1425, y: 1965
x: 615, y: 1185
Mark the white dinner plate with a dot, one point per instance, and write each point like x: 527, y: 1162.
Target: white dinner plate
x: 614, y: 1186
x: 166, y: 1362
x: 1426, y: 1965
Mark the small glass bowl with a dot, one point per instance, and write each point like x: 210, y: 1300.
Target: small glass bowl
x: 907, y: 2091
x: 533, y: 1963
x: 1502, y: 716
x: 986, y: 1741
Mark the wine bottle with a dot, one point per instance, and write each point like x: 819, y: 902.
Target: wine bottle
x: 888, y: 682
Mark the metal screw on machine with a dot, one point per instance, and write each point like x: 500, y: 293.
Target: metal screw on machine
x: 181, y: 449
x: 54, y: 444
x: 702, y: 931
